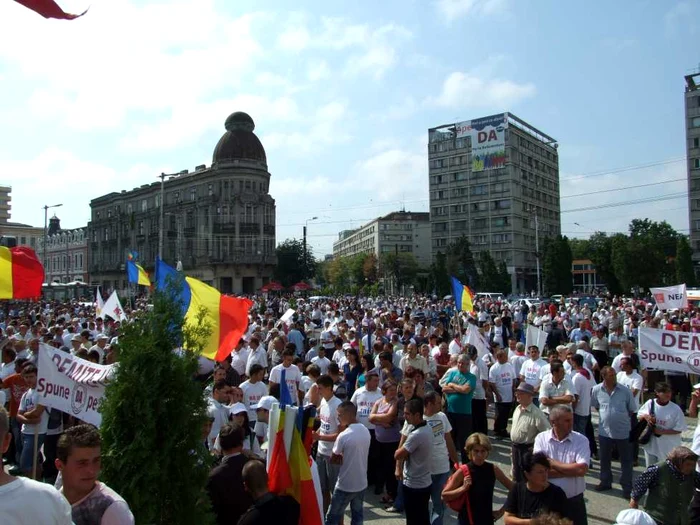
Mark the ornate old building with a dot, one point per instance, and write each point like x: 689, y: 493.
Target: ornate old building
x: 65, y: 255
x: 219, y: 221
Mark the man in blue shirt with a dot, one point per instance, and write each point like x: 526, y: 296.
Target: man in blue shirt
x: 614, y: 403
x: 577, y: 334
x: 458, y: 386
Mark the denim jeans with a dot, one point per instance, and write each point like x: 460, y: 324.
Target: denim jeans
x: 26, y: 461
x: 339, y: 502
x: 438, y: 511
x: 580, y: 424
x: 624, y: 447
x: 398, y: 502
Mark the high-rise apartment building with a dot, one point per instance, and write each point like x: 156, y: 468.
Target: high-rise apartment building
x: 692, y: 134
x: 495, y: 180
x: 5, y: 204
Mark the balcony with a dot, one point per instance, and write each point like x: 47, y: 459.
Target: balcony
x: 249, y: 228
x: 224, y: 227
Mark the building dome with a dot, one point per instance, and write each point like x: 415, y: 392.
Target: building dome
x: 239, y: 142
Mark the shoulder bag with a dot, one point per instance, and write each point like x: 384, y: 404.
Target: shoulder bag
x: 457, y: 503
x: 643, y: 431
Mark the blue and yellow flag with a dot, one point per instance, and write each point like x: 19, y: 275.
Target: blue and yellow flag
x: 463, y: 296
x: 136, y: 274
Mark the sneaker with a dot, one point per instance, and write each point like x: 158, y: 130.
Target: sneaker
x: 393, y: 510
x: 602, y: 488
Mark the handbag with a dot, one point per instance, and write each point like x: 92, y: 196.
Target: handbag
x: 457, y: 503
x: 643, y: 431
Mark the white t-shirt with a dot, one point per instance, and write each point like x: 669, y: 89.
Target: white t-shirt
x: 239, y: 360
x: 116, y: 513
x: 481, y: 371
x: 669, y: 417
x: 322, y: 362
x: 293, y: 377
x: 364, y: 401
x: 28, y: 502
x: 353, y: 445
x: 440, y: 456
x: 328, y: 416
x: 634, y: 382
x: 29, y: 402
x: 220, y: 414
x: 582, y: 390
x: 517, y: 362
x: 531, y: 372
x: 503, y: 376
x: 252, y: 392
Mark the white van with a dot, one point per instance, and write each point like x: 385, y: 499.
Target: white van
x: 491, y: 296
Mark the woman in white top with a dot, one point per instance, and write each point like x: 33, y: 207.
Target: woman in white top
x: 668, y: 421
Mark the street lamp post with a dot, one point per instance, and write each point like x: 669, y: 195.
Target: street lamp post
x: 305, y: 224
x: 46, y: 232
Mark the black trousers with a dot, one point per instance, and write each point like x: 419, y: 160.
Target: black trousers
x: 386, y: 474
x: 479, y: 421
x: 373, y: 460
x: 461, y: 430
x: 518, y: 451
x: 416, y: 505
x: 591, y: 436
x: 503, y: 410
x: 694, y: 509
x: 576, y: 510
x: 50, y: 471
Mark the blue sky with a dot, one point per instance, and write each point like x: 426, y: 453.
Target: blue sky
x: 342, y: 96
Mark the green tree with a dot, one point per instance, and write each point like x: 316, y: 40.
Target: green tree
x: 401, y: 267
x: 356, y: 265
x: 619, y: 258
x: 152, y: 419
x: 370, y: 269
x: 505, y: 285
x: 460, y: 262
x: 600, y: 253
x: 292, y: 266
x: 580, y: 248
x: 488, y: 280
x: 439, y: 275
x: 339, y: 274
x: 556, y: 265
x: 684, y: 262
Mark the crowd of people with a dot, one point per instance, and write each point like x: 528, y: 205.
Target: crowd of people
x: 402, y: 388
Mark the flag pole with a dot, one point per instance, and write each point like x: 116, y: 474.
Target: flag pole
x: 36, y: 450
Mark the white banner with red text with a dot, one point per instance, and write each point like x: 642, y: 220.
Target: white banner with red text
x: 670, y: 297
x: 72, y: 385
x: 669, y: 350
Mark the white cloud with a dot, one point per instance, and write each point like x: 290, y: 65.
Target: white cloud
x: 294, y: 39
x: 451, y: 10
x: 374, y: 62
x: 123, y: 58
x: 680, y: 15
x: 394, y: 174
x: 318, y: 70
x: 56, y: 176
x: 467, y: 90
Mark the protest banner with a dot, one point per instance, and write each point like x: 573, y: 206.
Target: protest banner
x: 72, y: 385
x: 670, y: 297
x: 669, y: 350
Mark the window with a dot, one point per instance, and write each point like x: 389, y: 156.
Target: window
x: 696, y: 142
x: 144, y: 205
x: 210, y: 188
x: 695, y: 122
x: 140, y: 228
x: 106, y: 234
x: 499, y: 221
x: 193, y: 194
x: 129, y: 208
x: 109, y: 213
x: 158, y: 200
x: 696, y: 163
x: 479, y: 190
x: 502, y: 204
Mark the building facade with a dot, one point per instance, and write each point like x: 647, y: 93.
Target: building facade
x: 219, y: 221
x: 398, y: 232
x: 495, y: 180
x: 692, y: 127
x: 19, y: 234
x: 5, y: 204
x: 585, y: 276
x: 66, y: 254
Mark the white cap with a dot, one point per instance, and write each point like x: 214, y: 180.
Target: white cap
x: 237, y: 408
x: 265, y: 403
x: 634, y: 517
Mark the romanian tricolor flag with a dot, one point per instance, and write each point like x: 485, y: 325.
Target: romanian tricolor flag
x: 227, y: 316
x: 303, y: 488
x: 21, y: 273
x: 462, y: 295
x: 136, y: 274
x: 280, y: 478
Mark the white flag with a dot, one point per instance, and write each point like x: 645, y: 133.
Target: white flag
x: 670, y: 297
x: 99, y: 303
x: 535, y: 337
x: 475, y: 338
x: 113, y: 308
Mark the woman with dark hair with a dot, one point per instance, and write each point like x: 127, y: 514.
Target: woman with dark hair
x: 366, y: 365
x: 387, y: 431
x: 535, y: 496
x: 351, y: 371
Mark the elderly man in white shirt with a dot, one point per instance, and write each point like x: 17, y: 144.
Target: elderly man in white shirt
x: 569, y: 456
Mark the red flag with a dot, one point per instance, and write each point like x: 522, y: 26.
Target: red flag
x: 48, y: 9
x: 279, y: 475
x: 21, y: 273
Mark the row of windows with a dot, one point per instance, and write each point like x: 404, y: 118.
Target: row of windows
x: 59, y: 263
x: 461, y: 225
x: 695, y: 122
x: 544, y: 152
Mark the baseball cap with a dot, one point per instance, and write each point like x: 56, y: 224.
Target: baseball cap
x: 237, y: 408
x: 76, y: 337
x: 265, y: 403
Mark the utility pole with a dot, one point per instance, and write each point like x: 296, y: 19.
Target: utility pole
x: 304, y: 250
x: 46, y: 233
x: 162, y: 216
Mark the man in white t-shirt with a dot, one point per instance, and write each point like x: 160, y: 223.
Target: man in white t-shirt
x: 530, y: 371
x: 364, y: 398
x: 326, y: 436
x: 239, y: 357
x: 34, y: 419
x: 24, y: 501
x: 321, y: 361
x: 292, y: 376
x: 351, y: 452
x: 256, y: 355
x: 253, y: 391
x: 78, y: 460
x: 502, y: 381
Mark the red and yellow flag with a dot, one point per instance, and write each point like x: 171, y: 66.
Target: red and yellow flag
x: 48, y: 9
x: 303, y: 488
x: 21, y: 273
x: 279, y: 476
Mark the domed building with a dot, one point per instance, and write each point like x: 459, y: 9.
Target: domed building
x: 219, y: 221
